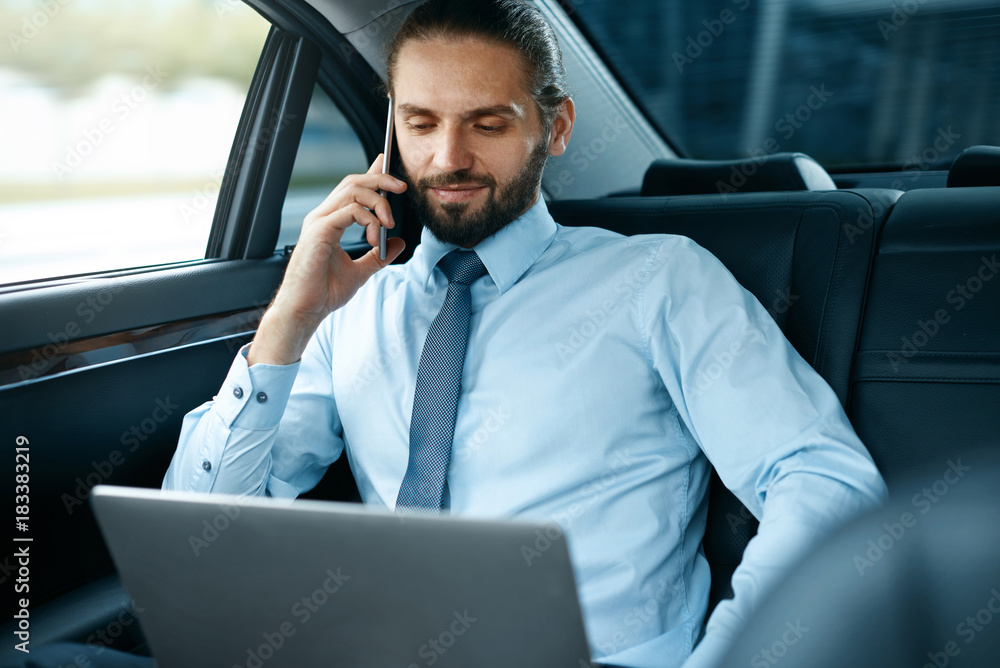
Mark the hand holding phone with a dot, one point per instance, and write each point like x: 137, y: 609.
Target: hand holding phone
x: 386, y: 153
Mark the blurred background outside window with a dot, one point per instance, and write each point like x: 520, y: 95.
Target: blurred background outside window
x: 856, y: 84
x: 328, y: 151
x: 116, y: 121
x: 117, y: 117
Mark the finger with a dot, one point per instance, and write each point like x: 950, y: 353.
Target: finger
x: 355, y: 193
x: 330, y: 228
x: 376, y: 167
x: 372, y: 233
x: 374, y: 201
x: 371, y: 210
x: 350, y: 187
x: 391, y: 183
x: 369, y: 263
x: 385, y: 181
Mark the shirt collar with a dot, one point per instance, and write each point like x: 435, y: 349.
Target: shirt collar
x: 507, y: 254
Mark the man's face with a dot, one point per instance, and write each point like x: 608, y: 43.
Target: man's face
x: 469, y: 135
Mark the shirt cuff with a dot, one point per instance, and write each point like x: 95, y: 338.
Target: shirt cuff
x: 254, y: 397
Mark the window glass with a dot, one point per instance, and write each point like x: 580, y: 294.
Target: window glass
x: 329, y: 151
x: 850, y: 82
x: 117, y: 121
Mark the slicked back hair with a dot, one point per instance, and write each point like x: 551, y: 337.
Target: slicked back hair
x: 511, y: 22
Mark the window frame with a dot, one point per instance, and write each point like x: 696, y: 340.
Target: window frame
x: 303, y: 50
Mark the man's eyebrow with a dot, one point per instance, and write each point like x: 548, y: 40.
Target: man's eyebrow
x: 413, y: 110
x: 502, y: 110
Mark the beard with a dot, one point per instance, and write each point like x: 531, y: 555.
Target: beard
x: 460, y: 224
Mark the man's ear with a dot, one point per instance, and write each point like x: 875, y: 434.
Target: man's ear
x: 562, y: 127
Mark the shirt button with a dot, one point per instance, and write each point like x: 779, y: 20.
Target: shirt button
x: 207, y: 465
x: 238, y: 392
x: 261, y: 397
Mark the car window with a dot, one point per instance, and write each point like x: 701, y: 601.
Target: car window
x: 328, y: 151
x: 850, y: 82
x: 118, y: 119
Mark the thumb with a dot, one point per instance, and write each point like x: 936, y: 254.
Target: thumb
x: 368, y: 264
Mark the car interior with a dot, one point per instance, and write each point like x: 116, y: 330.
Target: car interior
x: 885, y: 279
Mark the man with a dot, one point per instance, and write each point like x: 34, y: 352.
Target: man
x: 607, y: 429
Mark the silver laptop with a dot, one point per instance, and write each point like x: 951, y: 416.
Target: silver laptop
x: 231, y: 582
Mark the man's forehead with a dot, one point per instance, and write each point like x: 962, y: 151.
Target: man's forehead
x: 459, y: 76
x: 461, y: 51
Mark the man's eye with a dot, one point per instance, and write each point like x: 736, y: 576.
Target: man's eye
x: 419, y: 127
x: 491, y: 129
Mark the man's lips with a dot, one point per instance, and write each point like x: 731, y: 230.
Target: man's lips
x: 461, y: 193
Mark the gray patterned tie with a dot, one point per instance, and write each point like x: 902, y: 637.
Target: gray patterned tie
x: 439, y: 382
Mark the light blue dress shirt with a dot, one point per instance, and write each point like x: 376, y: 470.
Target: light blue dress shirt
x: 603, y: 374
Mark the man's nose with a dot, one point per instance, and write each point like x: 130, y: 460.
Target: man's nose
x: 451, y: 153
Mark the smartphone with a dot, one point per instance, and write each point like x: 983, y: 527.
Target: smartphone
x: 387, y: 152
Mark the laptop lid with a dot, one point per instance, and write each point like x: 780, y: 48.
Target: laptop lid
x: 236, y: 582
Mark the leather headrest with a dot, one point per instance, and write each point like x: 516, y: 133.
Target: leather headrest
x: 766, y: 173
x: 975, y: 166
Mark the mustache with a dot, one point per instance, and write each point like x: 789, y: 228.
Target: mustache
x: 462, y: 177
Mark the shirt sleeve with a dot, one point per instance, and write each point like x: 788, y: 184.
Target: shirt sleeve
x: 770, y: 425
x: 271, y: 430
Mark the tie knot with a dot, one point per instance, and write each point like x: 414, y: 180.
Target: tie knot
x: 462, y: 266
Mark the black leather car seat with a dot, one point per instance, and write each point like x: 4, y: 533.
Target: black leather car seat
x: 766, y: 173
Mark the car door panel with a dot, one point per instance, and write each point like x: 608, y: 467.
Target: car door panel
x: 97, y: 371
